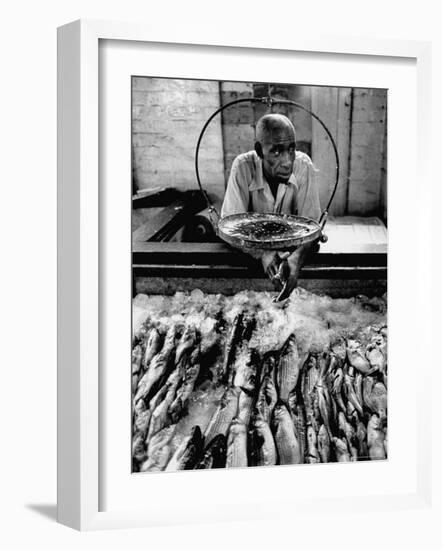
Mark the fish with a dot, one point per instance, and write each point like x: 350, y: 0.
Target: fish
x: 232, y: 342
x: 313, y: 456
x: 356, y: 358
x: 158, y: 397
x: 158, y: 366
x: 158, y: 461
x: 351, y: 394
x: 338, y: 382
x: 138, y: 447
x: 186, y: 343
x: 153, y: 345
x: 246, y: 370
x: 316, y: 412
x: 375, y: 438
x: 378, y: 400
x: 367, y: 386
x: 375, y: 397
x: 358, y: 388
x: 160, y: 439
x: 135, y: 378
x: 361, y: 435
x: 324, y: 443
x: 214, y: 454
x: 288, y: 368
x: 325, y: 407
x: 341, y: 450
x: 137, y: 356
x: 191, y: 370
x: 267, y: 397
x: 262, y: 445
x: 188, y: 453
x: 323, y: 363
x: 223, y: 415
x: 350, y: 434
x: 142, y: 421
x: 245, y: 406
x: 160, y: 415
x: 375, y: 358
x: 298, y: 416
x: 286, y: 438
x: 237, y: 445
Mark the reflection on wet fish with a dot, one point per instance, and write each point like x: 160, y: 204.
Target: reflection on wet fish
x: 224, y: 414
x: 286, y: 439
x: 288, y: 368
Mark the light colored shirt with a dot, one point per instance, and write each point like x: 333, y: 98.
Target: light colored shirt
x: 248, y: 190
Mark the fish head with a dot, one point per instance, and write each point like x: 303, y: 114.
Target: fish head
x: 375, y: 422
x: 154, y: 338
x: 279, y: 411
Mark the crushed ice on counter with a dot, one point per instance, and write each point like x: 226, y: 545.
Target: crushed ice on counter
x: 316, y: 320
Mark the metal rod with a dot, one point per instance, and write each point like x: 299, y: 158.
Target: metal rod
x: 269, y: 101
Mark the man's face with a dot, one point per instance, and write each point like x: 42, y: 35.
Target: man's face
x: 278, y: 150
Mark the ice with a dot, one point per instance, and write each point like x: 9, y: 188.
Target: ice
x: 316, y: 320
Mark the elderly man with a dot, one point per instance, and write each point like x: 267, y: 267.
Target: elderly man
x: 276, y: 178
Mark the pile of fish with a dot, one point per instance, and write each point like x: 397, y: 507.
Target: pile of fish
x: 212, y: 399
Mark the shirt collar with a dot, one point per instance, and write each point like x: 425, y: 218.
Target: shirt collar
x: 258, y: 180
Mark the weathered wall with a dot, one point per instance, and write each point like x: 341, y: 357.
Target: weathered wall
x: 168, y: 115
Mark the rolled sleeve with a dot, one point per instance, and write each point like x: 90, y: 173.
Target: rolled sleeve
x: 236, y: 198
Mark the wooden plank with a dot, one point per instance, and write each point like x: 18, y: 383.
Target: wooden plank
x: 229, y: 286
x: 367, y: 151
x: 170, y: 218
x: 226, y: 271
x: 215, y: 254
x: 333, y: 107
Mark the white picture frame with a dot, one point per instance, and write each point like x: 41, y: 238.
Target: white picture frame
x: 79, y: 270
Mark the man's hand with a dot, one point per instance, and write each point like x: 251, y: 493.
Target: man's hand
x: 291, y: 271
x: 271, y: 263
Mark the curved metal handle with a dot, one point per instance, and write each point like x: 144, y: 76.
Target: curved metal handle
x: 269, y: 101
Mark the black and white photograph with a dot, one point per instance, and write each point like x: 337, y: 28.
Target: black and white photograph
x: 259, y: 274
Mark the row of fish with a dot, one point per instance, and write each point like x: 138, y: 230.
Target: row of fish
x: 288, y: 406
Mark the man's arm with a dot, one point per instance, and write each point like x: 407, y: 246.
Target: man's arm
x: 236, y: 201
x: 309, y: 207
x: 290, y: 270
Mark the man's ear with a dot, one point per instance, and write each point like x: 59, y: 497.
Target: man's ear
x: 258, y: 149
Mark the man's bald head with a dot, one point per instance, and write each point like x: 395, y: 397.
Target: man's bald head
x: 275, y: 144
x: 273, y: 125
